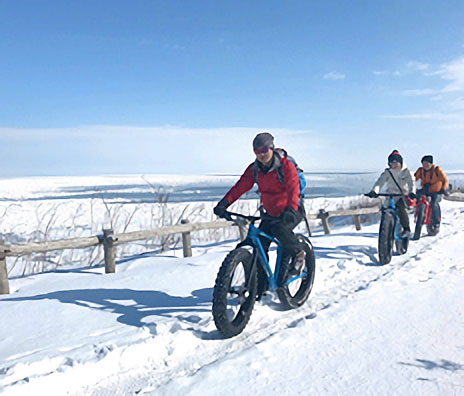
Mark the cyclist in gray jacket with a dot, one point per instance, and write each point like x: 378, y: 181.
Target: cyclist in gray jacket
x: 398, y: 179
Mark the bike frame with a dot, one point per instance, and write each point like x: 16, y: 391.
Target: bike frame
x: 425, y: 200
x: 260, y: 255
x: 254, y: 234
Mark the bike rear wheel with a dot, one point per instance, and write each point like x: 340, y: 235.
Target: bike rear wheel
x: 234, y: 292
x: 402, y: 245
x: 386, y: 238
x: 295, y: 291
x: 432, y: 230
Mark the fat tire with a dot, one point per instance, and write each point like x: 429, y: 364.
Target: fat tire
x: 402, y: 246
x: 289, y: 300
x: 419, y: 221
x: 226, y: 326
x: 386, y: 237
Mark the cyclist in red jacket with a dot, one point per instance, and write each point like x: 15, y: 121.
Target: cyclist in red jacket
x: 279, y: 200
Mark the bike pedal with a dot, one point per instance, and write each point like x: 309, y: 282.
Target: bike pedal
x: 298, y: 264
x: 260, y: 296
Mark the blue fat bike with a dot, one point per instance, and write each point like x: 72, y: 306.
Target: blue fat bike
x: 236, y: 286
x: 390, y: 231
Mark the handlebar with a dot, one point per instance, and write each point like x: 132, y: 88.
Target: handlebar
x: 385, y: 195
x: 228, y: 216
x: 428, y: 193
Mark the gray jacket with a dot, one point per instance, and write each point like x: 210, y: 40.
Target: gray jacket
x: 404, y: 177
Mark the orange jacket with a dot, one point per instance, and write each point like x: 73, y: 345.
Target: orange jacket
x: 434, y: 176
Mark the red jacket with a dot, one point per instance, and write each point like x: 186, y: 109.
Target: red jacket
x: 275, y: 195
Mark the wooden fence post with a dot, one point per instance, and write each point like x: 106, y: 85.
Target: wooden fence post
x: 324, y: 217
x: 357, y: 222
x: 109, y: 251
x: 243, y: 229
x: 4, y: 286
x: 186, y: 241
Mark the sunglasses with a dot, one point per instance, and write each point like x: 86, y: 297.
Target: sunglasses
x: 261, y: 150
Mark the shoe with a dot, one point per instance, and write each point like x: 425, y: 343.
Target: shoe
x: 259, y: 296
x: 405, y: 233
x: 435, y: 229
x: 297, y: 264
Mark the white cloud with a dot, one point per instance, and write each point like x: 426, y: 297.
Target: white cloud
x: 94, y: 150
x: 411, y: 67
x: 419, y: 92
x: 453, y: 72
x: 437, y: 98
x: 424, y: 116
x: 334, y: 76
x: 457, y: 104
x: 175, y: 47
x: 447, y: 98
x: 417, y: 66
x: 104, y: 149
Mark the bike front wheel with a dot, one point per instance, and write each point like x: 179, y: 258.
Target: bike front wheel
x: 295, y: 291
x: 419, y: 221
x: 234, y: 292
x: 386, y: 231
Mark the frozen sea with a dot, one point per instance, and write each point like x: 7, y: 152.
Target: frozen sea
x: 178, y: 188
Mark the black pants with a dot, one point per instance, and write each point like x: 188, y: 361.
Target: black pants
x: 273, y: 226
x: 402, y: 214
x: 436, y: 211
x: 283, y: 233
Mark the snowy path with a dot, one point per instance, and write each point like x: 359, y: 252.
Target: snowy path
x: 366, y: 329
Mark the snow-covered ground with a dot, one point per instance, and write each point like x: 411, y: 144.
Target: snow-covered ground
x: 366, y: 329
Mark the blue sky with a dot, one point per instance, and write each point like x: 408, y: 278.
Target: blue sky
x: 92, y: 87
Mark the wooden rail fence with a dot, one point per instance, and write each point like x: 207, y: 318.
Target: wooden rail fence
x: 110, y: 241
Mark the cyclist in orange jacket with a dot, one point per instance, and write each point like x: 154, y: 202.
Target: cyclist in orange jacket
x: 433, y: 183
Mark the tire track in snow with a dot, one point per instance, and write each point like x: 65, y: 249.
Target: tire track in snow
x: 205, y: 355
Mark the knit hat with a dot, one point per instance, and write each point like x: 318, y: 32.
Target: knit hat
x: 263, y: 139
x: 395, y: 156
x: 428, y: 158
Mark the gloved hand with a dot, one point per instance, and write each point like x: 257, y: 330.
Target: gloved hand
x: 289, y: 215
x: 411, y: 195
x: 221, y: 207
x: 444, y: 192
x: 372, y: 194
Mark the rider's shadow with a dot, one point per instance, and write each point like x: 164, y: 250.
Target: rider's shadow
x: 132, y: 306
x: 348, y: 252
